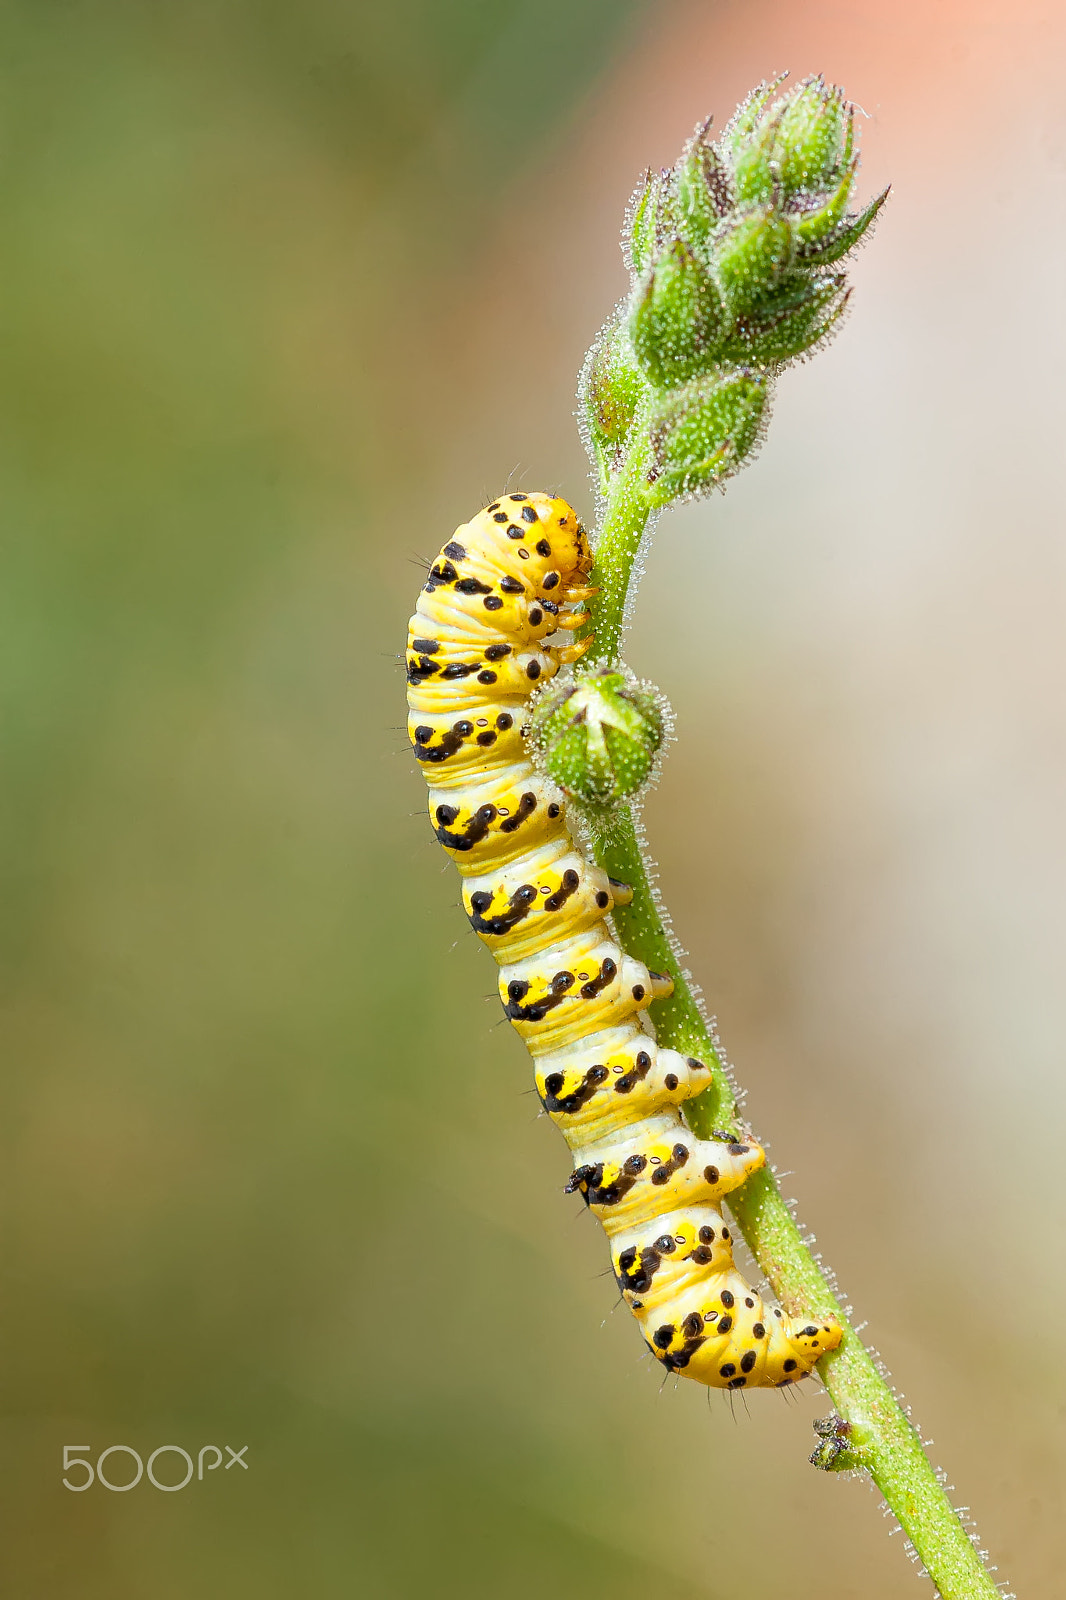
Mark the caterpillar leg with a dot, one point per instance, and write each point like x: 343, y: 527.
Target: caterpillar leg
x: 573, y: 652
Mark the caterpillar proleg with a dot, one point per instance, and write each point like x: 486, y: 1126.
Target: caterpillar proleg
x: 476, y: 650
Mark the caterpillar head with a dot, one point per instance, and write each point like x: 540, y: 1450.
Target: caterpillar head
x: 540, y: 537
x: 568, y: 542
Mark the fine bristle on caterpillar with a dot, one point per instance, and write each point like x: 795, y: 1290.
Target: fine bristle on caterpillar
x: 476, y: 650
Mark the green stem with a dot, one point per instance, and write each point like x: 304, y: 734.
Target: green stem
x: 621, y: 530
x: 872, y: 1433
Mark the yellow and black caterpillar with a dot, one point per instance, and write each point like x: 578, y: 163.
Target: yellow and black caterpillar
x: 475, y: 652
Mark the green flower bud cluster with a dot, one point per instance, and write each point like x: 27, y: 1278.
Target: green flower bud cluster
x: 597, y: 735
x: 734, y: 256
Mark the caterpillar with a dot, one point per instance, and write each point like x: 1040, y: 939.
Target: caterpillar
x: 477, y: 647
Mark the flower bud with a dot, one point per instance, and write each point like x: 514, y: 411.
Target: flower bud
x: 746, y: 117
x: 789, y: 323
x: 676, y: 313
x: 701, y: 187
x: 748, y: 261
x: 797, y: 144
x: 610, y: 391
x: 814, y: 136
x: 700, y: 434
x: 597, y: 734
x: 650, y: 216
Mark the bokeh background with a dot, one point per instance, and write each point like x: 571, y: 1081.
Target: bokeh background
x: 290, y: 291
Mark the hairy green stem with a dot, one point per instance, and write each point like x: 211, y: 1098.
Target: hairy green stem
x: 872, y: 1431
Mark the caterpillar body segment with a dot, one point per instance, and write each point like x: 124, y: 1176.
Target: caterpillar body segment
x: 499, y: 590
x: 596, y: 1088
x: 515, y: 912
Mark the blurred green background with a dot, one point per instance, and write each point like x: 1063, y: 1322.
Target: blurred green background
x: 290, y: 291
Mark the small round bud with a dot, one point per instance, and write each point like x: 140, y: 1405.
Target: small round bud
x: 597, y: 735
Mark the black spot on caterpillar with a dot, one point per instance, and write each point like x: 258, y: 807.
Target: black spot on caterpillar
x: 572, y: 993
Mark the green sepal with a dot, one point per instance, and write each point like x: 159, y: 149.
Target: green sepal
x: 745, y: 118
x: 751, y: 146
x: 676, y: 315
x: 811, y: 226
x: 750, y: 257
x: 754, y: 176
x: 611, y: 391
x: 701, y: 188
x: 843, y: 238
x: 651, y: 218
x: 597, y: 734
x: 791, y: 322
x: 700, y: 434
